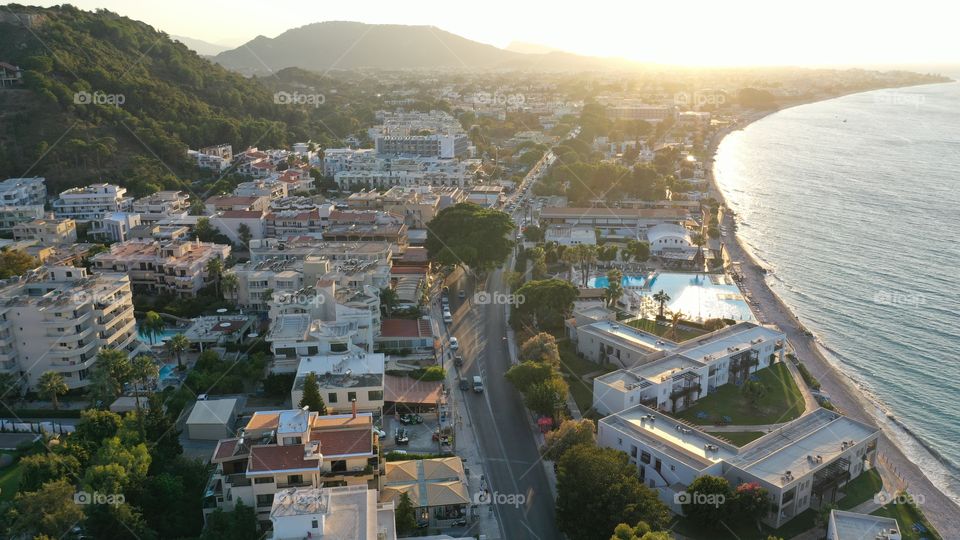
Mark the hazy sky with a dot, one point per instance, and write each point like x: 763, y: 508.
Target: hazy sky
x: 691, y: 32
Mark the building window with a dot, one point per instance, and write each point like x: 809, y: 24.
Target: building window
x: 292, y: 440
x: 265, y: 500
x: 633, y: 451
x: 264, y: 480
x: 351, y: 396
x: 314, y: 524
x: 332, y: 397
x: 375, y: 395
x: 645, y: 457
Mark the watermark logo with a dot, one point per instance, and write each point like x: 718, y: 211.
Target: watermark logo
x: 898, y: 298
x: 701, y: 499
x: 87, y: 497
x: 298, y: 299
x: 296, y: 98
x: 484, y: 298
x: 699, y: 99
x: 884, y: 497
x: 499, y: 99
x: 899, y: 98
x: 484, y: 496
x: 98, y: 98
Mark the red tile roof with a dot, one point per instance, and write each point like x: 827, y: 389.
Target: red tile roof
x: 405, y: 328
x: 342, y: 442
x: 279, y: 458
x: 409, y: 270
x: 353, y: 217
x: 225, y: 449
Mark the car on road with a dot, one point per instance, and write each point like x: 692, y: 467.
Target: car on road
x: 458, y: 361
x: 454, y: 343
x: 464, y: 384
x: 477, y: 384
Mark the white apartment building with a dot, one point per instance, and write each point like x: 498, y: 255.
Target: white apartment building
x: 114, y: 227
x: 58, y: 318
x: 261, y: 188
x: 334, y: 513
x: 47, y: 232
x: 571, y: 236
x: 803, y: 464
x: 216, y: 158
x: 343, y: 159
x: 92, y: 202
x: 446, y: 146
x: 279, y: 450
x: 23, y: 191
x: 852, y: 526
x: 10, y: 216
x: 408, y: 171
x: 178, y: 268
x: 276, y: 249
x: 162, y: 205
x: 355, y: 376
x: 672, y: 376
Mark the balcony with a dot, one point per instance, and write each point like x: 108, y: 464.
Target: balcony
x: 285, y: 485
x: 238, y: 480
x: 828, y: 479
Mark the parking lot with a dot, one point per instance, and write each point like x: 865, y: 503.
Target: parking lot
x: 420, y: 435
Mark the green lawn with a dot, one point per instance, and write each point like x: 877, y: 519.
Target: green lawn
x: 783, y: 402
x: 573, y: 368
x: 861, y: 489
x: 906, y: 515
x: 10, y: 479
x: 746, y: 531
x: 738, y: 438
x: 661, y: 330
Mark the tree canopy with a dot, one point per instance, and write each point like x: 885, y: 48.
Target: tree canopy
x: 466, y: 234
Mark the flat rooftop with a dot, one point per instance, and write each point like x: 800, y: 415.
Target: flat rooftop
x: 820, y: 433
x: 687, y: 444
x: 740, y: 336
x: 350, y: 370
x: 630, y: 336
x: 853, y: 526
x: 657, y: 370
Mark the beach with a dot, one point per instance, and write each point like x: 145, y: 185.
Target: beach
x: 896, y: 468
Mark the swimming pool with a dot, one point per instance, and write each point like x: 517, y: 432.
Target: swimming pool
x: 699, y: 296
x: 166, y: 371
x: 166, y: 334
x: 601, y: 282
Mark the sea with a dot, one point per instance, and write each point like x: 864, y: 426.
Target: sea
x: 853, y: 205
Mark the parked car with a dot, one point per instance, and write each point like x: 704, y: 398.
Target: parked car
x: 447, y: 317
x: 454, y: 343
x: 380, y: 433
x: 411, y: 419
x: 401, y: 437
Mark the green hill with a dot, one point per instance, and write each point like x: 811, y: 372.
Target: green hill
x: 110, y: 98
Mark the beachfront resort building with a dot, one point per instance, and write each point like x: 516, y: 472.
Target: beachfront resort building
x: 178, y: 268
x: 671, y: 376
x: 92, y: 202
x: 279, y: 450
x: 332, y: 513
x: 803, y: 464
x: 57, y: 318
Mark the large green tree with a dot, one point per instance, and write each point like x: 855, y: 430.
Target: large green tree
x: 49, y: 511
x: 570, y: 434
x: 240, y: 524
x: 110, y: 372
x: 406, y: 519
x: 707, y: 501
x: 541, y: 347
x: 544, y: 304
x: 51, y: 385
x: 598, y: 489
x: 311, y: 395
x: 466, y: 234
x: 16, y: 262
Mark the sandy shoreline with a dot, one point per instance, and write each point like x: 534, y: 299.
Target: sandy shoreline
x: 942, y: 511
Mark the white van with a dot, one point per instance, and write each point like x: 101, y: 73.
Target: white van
x: 477, y: 384
x: 447, y: 317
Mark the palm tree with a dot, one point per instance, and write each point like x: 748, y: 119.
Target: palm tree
x: 153, y: 326
x: 141, y: 369
x: 215, y: 271
x: 389, y: 299
x: 177, y: 344
x: 675, y: 318
x: 661, y: 297
x: 52, y: 385
x: 230, y: 284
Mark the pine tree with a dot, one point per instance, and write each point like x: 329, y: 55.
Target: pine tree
x: 311, y: 395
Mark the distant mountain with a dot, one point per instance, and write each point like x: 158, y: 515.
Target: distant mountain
x: 523, y: 47
x: 203, y: 48
x: 352, y: 45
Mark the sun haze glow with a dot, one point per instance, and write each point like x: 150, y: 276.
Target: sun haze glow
x: 694, y: 32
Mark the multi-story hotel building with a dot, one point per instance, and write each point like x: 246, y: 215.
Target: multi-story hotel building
x: 47, y: 231
x: 178, y: 268
x: 92, y: 202
x: 58, y: 318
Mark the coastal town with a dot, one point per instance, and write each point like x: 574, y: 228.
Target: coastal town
x: 484, y: 306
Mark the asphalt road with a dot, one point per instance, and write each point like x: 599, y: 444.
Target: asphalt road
x: 516, y: 477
